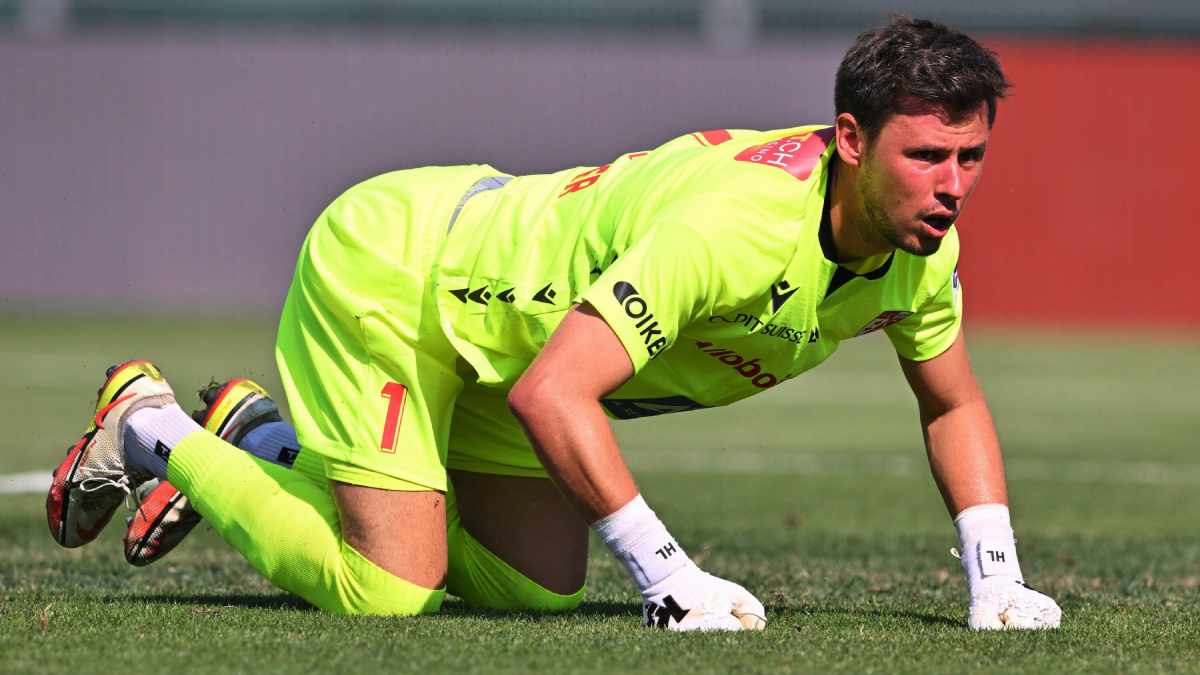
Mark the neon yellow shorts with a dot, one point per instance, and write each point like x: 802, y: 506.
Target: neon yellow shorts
x: 373, y: 384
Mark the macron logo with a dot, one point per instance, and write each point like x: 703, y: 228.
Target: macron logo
x: 779, y: 294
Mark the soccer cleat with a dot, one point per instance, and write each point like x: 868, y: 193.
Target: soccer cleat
x: 162, y: 519
x: 91, y: 482
x: 235, y: 408
x: 164, y: 516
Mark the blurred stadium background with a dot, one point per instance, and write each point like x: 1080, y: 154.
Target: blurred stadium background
x: 201, y: 137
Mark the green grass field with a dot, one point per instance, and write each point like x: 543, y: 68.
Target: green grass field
x: 815, y: 496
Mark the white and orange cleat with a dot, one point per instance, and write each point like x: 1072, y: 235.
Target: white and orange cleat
x: 162, y: 519
x: 92, y: 481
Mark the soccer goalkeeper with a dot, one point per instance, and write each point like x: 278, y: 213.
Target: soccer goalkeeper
x: 455, y: 339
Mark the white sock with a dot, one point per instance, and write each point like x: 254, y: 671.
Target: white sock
x: 639, y: 539
x: 989, y: 548
x: 152, y: 433
x: 274, y: 442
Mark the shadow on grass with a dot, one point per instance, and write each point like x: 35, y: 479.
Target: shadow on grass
x: 874, y: 614
x: 452, y: 608
x: 210, y: 600
x: 585, y: 610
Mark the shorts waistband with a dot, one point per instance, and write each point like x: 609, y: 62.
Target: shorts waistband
x: 482, y: 185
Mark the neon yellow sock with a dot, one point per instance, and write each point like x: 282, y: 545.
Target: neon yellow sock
x: 482, y: 579
x: 285, y: 524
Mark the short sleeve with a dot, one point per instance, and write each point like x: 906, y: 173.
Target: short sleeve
x: 931, y: 330
x: 668, y: 278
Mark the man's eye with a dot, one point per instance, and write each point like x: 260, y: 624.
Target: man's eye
x: 924, y: 155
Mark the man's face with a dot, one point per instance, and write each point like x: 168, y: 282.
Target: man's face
x: 917, y: 173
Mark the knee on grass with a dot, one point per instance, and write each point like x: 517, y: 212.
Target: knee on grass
x: 481, y: 579
x: 358, y: 586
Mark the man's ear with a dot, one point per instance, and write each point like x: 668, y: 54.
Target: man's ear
x: 851, y: 139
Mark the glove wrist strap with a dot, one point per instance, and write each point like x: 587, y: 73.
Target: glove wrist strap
x: 989, y: 548
x: 639, y: 539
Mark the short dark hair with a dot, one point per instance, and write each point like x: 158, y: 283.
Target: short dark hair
x: 911, y: 64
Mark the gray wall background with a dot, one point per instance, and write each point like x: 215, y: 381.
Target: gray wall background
x: 174, y: 171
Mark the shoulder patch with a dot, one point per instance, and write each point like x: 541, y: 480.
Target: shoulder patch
x: 712, y: 136
x: 797, y: 154
x: 884, y: 320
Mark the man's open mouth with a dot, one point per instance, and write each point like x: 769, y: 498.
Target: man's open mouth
x: 939, y: 223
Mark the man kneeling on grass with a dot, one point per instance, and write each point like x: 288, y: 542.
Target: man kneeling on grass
x: 455, y: 339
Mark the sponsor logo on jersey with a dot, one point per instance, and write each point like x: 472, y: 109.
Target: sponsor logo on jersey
x: 797, y: 154
x: 636, y: 308
x: 750, y: 369
x: 796, y: 336
x: 884, y: 320
x: 630, y: 408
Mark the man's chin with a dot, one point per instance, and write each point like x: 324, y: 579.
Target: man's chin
x: 911, y: 241
x: 921, y: 246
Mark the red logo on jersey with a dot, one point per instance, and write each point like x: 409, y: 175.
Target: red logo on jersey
x: 747, y: 368
x: 884, y: 320
x: 712, y: 136
x: 797, y: 155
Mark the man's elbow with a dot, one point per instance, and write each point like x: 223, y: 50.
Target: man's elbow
x: 529, y: 396
x: 932, y: 411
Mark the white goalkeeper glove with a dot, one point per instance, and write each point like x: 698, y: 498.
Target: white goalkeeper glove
x: 692, y: 599
x: 1000, y: 600
x: 677, y: 594
x: 1001, y: 603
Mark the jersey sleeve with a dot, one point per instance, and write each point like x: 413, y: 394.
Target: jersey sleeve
x: 931, y: 330
x: 658, y: 286
x: 675, y: 273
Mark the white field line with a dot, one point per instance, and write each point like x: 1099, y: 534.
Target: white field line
x: 25, y: 483
x: 1076, y: 470
x: 1087, y: 471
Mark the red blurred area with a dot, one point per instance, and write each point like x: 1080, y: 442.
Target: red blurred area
x: 1088, y: 210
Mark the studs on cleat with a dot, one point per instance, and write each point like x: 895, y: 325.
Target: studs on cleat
x: 208, y: 395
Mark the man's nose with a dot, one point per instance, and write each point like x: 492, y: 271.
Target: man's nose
x: 951, y: 182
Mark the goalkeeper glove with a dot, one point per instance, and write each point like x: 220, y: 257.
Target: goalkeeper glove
x: 1000, y: 600
x: 677, y: 594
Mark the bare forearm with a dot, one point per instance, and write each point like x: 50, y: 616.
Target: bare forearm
x: 575, y: 443
x: 964, y: 455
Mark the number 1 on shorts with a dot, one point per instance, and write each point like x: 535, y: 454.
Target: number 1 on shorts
x: 395, y: 393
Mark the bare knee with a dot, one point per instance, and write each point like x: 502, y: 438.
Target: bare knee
x: 402, y: 532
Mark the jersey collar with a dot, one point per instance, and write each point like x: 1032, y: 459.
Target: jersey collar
x: 842, y: 275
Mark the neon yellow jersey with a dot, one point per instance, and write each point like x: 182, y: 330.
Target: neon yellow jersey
x: 705, y: 257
